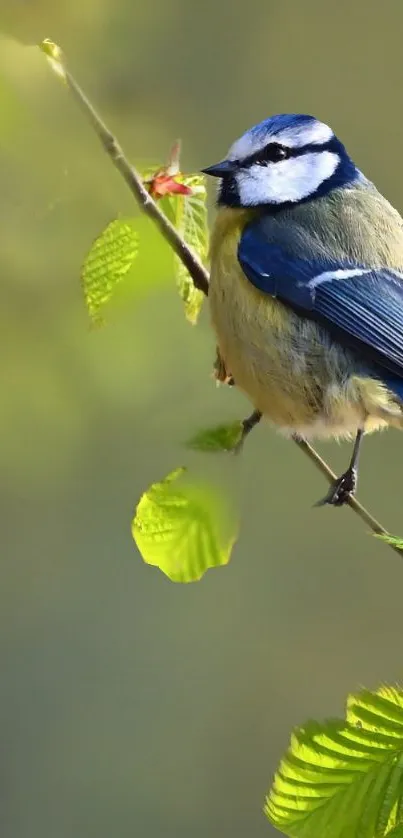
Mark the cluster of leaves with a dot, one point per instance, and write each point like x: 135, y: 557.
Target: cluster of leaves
x: 114, y: 251
x: 180, y: 526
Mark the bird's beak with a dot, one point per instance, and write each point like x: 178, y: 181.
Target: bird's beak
x: 225, y: 167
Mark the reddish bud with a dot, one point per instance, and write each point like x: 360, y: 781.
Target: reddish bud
x: 166, y: 180
x: 162, y: 184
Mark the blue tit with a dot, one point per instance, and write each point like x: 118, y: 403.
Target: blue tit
x: 306, y: 293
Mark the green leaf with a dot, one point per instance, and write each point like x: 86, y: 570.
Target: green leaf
x: 190, y: 219
x: 341, y: 779
x: 109, y: 260
x: 183, y: 528
x: 221, y: 438
x: 396, y: 541
x: 396, y: 832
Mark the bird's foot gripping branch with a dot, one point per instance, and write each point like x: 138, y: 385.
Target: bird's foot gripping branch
x: 197, y: 520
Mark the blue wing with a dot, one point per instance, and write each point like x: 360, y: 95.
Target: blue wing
x: 362, y: 307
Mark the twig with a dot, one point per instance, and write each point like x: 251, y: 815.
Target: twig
x: 196, y: 270
x: 353, y: 503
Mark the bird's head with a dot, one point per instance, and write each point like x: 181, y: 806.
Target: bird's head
x: 284, y: 160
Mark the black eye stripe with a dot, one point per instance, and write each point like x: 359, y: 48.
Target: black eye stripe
x: 271, y: 153
x: 260, y: 156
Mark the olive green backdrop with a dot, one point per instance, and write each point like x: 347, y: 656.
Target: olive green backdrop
x: 130, y: 706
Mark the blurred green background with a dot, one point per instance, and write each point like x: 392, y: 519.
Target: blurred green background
x: 128, y: 705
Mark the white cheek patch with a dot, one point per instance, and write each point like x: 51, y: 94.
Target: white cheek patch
x: 288, y: 180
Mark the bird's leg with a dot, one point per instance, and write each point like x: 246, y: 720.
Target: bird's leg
x: 345, y: 486
x: 247, y: 426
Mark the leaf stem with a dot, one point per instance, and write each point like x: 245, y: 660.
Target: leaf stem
x: 196, y: 270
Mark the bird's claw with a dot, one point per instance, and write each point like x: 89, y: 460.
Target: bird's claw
x: 341, y: 490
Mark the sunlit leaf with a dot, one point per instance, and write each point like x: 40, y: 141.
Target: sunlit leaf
x: 396, y: 832
x: 109, y: 260
x: 220, y: 438
x: 394, y: 540
x: 55, y: 57
x: 191, y: 221
x: 344, y: 778
x: 183, y: 528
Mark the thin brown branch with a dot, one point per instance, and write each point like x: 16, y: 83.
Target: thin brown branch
x: 196, y: 270
x: 353, y: 503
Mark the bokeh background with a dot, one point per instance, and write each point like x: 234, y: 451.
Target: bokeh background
x: 128, y: 705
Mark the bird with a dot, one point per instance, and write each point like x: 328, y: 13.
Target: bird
x: 306, y: 286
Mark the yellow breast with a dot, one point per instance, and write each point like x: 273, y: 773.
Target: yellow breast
x: 280, y: 360
x: 253, y: 330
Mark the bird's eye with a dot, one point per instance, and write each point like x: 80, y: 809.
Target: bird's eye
x: 272, y: 153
